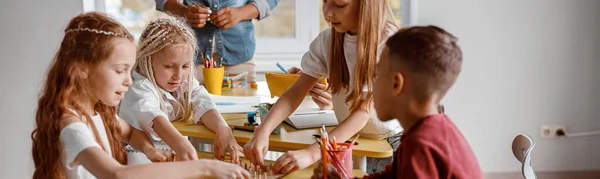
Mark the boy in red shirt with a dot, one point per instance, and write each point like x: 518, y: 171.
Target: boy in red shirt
x: 418, y: 66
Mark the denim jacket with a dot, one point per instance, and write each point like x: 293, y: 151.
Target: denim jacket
x: 235, y: 45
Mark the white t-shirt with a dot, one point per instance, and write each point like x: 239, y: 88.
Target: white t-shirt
x: 315, y: 63
x: 141, y: 104
x: 77, y: 137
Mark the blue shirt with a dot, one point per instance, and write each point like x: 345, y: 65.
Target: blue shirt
x: 235, y: 45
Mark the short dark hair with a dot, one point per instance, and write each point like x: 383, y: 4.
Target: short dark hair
x: 428, y: 55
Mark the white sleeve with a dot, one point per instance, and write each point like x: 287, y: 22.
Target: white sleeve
x: 314, y: 62
x: 141, y: 106
x: 75, y: 138
x: 201, y: 102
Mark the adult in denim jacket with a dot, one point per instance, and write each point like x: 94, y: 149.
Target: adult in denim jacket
x: 230, y: 21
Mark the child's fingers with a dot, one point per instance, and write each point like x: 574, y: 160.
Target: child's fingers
x: 319, y: 103
x: 218, y: 152
x: 281, y: 163
x: 247, y: 153
x: 234, y: 155
x: 260, y: 157
x: 319, y: 97
x: 252, y: 156
x: 157, y: 156
x: 290, y: 167
x: 170, y: 156
x: 294, y: 70
x: 162, y: 157
x: 321, y: 92
x: 320, y: 86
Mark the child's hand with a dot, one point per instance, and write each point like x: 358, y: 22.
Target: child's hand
x: 294, y: 70
x: 157, y: 155
x: 321, y: 96
x: 225, y: 142
x: 185, y: 151
x: 319, y: 92
x: 256, y: 149
x: 331, y: 173
x: 226, y: 17
x: 219, y: 169
x: 197, y: 15
x: 293, y: 160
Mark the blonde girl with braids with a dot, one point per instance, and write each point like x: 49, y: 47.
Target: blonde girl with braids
x: 164, y: 89
x: 77, y: 133
x: 347, y: 54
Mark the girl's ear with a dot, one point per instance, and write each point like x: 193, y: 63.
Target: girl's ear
x: 398, y: 81
x: 85, y: 72
x: 82, y: 70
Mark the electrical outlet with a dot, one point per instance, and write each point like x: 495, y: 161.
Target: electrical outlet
x: 551, y: 131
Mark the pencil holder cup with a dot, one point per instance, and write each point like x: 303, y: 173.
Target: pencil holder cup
x: 263, y: 110
x: 345, y: 157
x: 279, y: 82
x: 213, y: 79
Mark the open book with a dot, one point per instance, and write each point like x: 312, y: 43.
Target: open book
x: 311, y: 118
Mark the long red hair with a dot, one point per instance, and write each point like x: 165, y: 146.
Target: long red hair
x: 79, y: 51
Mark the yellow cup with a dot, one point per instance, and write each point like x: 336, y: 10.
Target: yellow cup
x: 279, y: 82
x: 213, y: 79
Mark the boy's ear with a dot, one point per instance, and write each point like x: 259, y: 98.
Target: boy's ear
x: 398, y: 81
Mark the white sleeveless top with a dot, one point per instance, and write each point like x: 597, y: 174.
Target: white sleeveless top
x: 315, y: 63
x: 77, y: 137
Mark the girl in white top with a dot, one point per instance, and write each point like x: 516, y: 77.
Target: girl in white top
x: 77, y: 133
x: 346, y: 54
x: 164, y: 89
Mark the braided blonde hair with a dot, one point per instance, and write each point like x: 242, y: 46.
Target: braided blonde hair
x: 162, y: 34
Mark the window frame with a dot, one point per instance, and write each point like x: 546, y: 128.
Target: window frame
x: 288, y: 51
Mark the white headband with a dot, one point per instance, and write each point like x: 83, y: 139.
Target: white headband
x: 97, y: 32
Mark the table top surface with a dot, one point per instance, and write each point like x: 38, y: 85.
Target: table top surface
x: 288, y: 137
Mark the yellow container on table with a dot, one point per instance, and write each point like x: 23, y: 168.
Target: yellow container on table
x: 279, y: 82
x: 213, y: 79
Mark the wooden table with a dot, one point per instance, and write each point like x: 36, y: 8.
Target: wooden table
x: 304, y: 173
x: 289, y: 138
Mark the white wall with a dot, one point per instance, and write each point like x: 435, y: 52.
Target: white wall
x: 29, y: 37
x: 526, y: 63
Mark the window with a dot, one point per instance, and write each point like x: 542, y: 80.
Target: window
x: 395, y: 4
x: 281, y: 17
x: 133, y: 14
x: 283, y: 37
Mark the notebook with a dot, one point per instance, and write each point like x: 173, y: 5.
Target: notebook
x: 238, y: 104
x: 311, y: 118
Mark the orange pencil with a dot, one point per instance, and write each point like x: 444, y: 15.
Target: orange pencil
x: 324, y: 157
x: 334, y: 143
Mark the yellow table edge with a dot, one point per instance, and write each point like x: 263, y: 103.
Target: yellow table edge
x: 295, y: 146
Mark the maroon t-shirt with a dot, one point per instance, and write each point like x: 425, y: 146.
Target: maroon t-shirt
x: 432, y: 148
